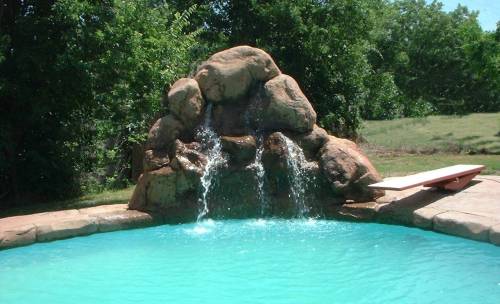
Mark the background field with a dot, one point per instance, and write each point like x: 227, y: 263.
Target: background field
x: 470, y: 134
x: 409, y: 145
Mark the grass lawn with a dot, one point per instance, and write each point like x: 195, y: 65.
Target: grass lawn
x: 404, y: 164
x: 409, y: 145
x: 470, y: 134
x: 109, y: 197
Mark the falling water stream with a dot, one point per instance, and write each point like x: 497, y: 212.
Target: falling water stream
x: 215, y: 159
x: 296, y: 162
x: 297, y: 165
x: 259, y: 174
x: 257, y: 165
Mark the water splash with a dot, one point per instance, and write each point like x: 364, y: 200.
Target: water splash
x: 201, y: 228
x: 297, y: 174
x: 259, y: 223
x: 212, y: 146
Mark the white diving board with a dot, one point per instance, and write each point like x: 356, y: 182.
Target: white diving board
x: 449, y: 178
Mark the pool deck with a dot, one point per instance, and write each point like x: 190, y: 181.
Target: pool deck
x: 47, y: 226
x: 472, y: 213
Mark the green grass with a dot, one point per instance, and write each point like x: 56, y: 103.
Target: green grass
x: 410, y: 145
x: 109, y: 197
x: 400, y: 165
x: 469, y: 134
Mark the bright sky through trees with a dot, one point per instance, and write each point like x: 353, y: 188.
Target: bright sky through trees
x: 489, y: 10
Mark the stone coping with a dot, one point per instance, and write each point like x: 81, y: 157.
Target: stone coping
x: 472, y: 213
x: 47, y: 226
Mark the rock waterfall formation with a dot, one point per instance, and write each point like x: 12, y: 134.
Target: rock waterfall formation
x: 241, y: 140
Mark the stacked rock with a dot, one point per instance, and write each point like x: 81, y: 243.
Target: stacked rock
x: 251, y: 101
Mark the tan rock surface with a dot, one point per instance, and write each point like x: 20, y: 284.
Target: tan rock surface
x: 17, y: 235
x: 286, y: 107
x: 155, y: 159
x: 229, y: 74
x: 349, y: 170
x: 164, y: 133
x: 311, y: 142
x: 466, y: 225
x: 423, y: 217
x: 241, y: 149
x: 65, y: 228
x: 473, y: 212
x: 186, y: 101
x: 40, y: 227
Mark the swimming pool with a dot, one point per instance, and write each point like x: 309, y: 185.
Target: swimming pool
x: 254, y: 261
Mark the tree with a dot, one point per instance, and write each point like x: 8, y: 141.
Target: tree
x: 322, y: 44
x: 133, y: 52
x: 40, y: 106
x: 442, y: 62
x: 483, y: 87
x: 77, y: 74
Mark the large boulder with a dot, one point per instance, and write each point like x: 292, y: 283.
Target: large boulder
x: 168, y: 192
x: 275, y: 159
x: 172, y: 189
x: 229, y: 74
x: 244, y: 97
x: 349, y: 170
x: 186, y: 101
x: 189, y: 158
x: 286, y: 107
x: 164, y: 132
x: 275, y: 152
x: 155, y: 159
x: 230, y: 119
x: 241, y: 149
x: 311, y: 142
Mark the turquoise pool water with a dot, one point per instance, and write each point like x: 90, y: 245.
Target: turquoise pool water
x: 254, y: 261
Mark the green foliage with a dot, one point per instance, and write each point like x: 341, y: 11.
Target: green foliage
x: 322, y: 44
x: 41, y: 103
x: 384, y: 100
x: 81, y: 82
x: 373, y: 59
x: 441, y: 62
x: 132, y: 53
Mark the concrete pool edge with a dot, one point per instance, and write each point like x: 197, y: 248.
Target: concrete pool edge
x: 24, y: 230
x: 473, y: 213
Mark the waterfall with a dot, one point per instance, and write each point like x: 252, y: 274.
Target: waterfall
x: 297, y: 175
x: 250, y: 119
x: 259, y: 173
x: 212, y: 146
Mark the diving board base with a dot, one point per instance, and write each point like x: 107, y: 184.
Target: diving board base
x: 454, y: 184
